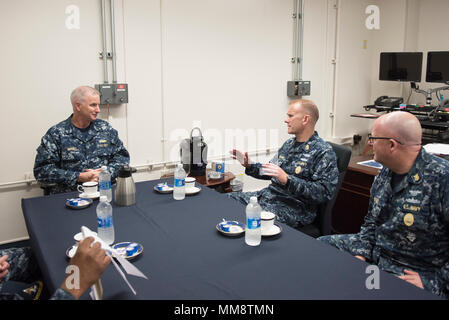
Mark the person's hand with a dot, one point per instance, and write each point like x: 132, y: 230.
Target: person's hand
x: 91, y: 261
x: 275, y: 171
x: 412, y: 277
x: 4, y: 267
x: 241, y: 157
x: 89, y: 175
x: 361, y: 258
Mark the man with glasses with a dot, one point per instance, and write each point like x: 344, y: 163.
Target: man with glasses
x: 406, y: 230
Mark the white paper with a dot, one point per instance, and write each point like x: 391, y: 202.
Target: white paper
x: 123, y: 276
x: 127, y: 266
x: 94, y: 293
x: 437, y: 148
x: 371, y: 163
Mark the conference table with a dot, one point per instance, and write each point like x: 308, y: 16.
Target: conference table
x: 186, y: 258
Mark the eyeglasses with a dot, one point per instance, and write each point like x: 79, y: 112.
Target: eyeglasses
x: 372, y: 138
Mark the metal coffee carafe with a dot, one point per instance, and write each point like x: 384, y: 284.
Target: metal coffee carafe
x: 125, y: 192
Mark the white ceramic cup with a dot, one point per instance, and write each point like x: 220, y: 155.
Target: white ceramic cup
x: 266, y: 220
x: 88, y: 188
x: 190, y: 183
x: 79, y: 236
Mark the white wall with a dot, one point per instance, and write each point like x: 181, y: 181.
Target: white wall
x: 432, y: 35
x: 353, y: 79
x: 220, y: 65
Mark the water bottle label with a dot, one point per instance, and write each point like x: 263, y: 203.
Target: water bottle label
x: 105, y: 185
x: 253, y: 223
x: 179, y: 182
x: 105, y: 223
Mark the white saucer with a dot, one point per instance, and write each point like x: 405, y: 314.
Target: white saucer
x: 90, y: 196
x: 192, y: 191
x: 274, y: 230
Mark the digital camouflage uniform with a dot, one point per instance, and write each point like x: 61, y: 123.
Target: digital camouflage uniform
x: 24, y: 268
x: 407, y: 227
x: 313, y: 177
x: 65, y: 152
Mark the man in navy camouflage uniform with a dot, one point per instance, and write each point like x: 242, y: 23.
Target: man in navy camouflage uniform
x: 406, y: 230
x: 303, y: 173
x: 19, y: 265
x: 74, y: 150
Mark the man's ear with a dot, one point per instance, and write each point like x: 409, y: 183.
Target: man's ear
x: 307, y: 119
x: 393, y: 145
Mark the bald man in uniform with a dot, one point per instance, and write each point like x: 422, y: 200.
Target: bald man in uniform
x: 406, y: 230
x: 303, y: 173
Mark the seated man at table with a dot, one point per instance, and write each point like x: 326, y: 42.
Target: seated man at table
x: 303, y: 173
x: 74, y: 150
x: 18, y: 266
x: 406, y: 230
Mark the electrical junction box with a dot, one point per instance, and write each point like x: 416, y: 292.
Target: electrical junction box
x: 113, y: 93
x: 296, y: 89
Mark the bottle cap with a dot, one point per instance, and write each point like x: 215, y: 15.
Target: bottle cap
x: 253, y: 199
x: 104, y: 168
x: 103, y: 198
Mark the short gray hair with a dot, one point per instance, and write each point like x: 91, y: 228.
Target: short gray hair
x: 80, y: 93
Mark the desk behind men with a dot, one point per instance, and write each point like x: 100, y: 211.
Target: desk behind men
x: 352, y: 202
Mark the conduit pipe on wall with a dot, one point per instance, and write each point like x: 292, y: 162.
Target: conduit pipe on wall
x: 114, y: 60
x: 299, y: 32
x: 105, y: 49
x: 336, y: 6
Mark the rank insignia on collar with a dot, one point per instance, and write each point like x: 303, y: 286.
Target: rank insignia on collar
x: 416, y: 177
x: 307, y: 147
x: 409, y: 219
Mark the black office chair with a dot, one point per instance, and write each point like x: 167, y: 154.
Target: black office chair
x: 46, y: 186
x: 323, y: 222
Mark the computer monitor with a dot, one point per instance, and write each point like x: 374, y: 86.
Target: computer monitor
x: 437, y: 66
x: 400, y: 66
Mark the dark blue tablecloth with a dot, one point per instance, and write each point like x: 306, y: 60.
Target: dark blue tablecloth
x: 186, y: 258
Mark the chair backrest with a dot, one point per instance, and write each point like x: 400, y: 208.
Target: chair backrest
x: 47, y: 186
x: 324, y: 215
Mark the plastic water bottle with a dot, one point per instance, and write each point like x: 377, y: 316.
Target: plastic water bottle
x: 105, y: 223
x: 179, y: 189
x: 104, y: 179
x: 253, y: 232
